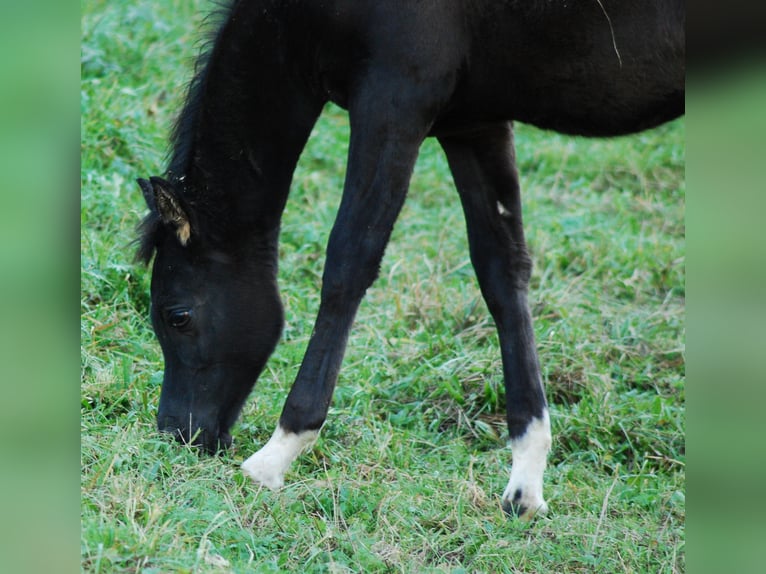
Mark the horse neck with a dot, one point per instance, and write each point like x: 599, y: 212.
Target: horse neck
x: 245, y: 122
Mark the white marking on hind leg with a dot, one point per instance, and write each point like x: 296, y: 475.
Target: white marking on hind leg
x: 268, y: 465
x: 530, y: 453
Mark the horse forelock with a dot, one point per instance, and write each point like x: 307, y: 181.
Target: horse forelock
x: 152, y: 231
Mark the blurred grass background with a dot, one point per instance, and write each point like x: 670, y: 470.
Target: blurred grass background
x: 39, y: 94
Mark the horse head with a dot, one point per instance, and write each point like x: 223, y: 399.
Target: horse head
x: 215, y: 309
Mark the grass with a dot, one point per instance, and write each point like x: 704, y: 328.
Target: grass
x: 408, y: 472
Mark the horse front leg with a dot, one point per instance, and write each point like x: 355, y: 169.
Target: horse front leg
x: 382, y: 155
x: 483, y: 166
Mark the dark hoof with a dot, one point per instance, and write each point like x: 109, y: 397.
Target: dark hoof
x: 514, y: 510
x: 514, y: 507
x: 519, y: 508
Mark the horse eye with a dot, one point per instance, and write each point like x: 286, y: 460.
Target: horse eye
x: 179, y: 318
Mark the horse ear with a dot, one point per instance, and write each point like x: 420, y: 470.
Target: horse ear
x: 148, y: 193
x: 162, y: 199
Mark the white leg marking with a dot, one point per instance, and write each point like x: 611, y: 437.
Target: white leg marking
x: 268, y: 465
x: 530, y: 453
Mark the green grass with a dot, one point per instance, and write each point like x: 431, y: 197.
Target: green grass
x: 408, y: 471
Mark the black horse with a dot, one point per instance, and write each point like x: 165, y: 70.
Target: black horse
x: 458, y: 70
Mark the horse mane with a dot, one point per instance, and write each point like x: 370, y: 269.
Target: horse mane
x: 183, y: 132
x: 182, y: 137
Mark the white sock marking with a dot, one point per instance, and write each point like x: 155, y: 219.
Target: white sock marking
x: 268, y: 465
x: 530, y: 453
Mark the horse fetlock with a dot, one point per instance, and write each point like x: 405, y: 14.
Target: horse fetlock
x: 523, y: 497
x: 268, y: 466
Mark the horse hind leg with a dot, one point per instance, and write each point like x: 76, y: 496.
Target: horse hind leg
x: 483, y: 167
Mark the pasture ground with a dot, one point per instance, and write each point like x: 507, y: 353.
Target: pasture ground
x: 408, y: 472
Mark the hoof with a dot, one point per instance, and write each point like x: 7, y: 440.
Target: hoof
x: 268, y: 466
x: 523, y: 508
x: 523, y: 497
x: 262, y: 471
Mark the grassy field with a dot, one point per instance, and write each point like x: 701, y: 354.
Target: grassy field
x: 408, y: 472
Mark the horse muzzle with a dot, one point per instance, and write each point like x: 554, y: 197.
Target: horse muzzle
x: 195, y: 433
